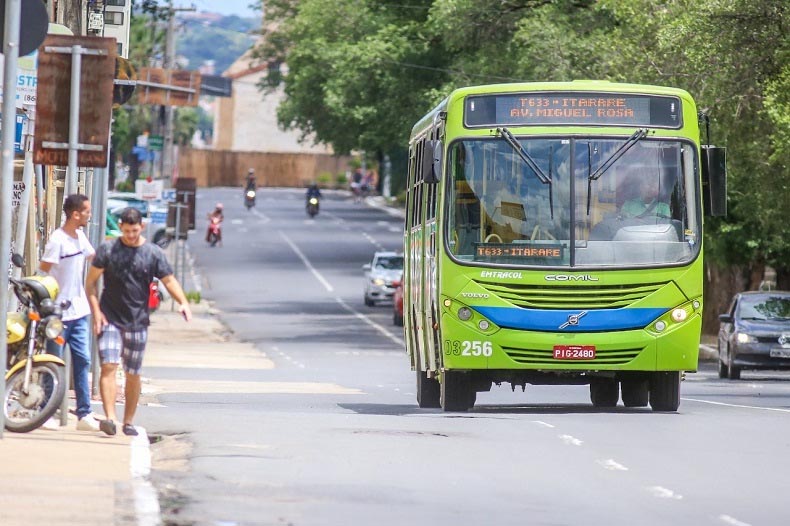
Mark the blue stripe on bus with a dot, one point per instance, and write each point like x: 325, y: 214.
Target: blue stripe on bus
x: 551, y: 320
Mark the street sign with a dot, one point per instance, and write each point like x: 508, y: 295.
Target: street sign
x: 148, y: 190
x: 155, y: 142
x: 34, y: 21
x: 53, y: 100
x: 168, y: 87
x: 169, y: 194
x: 95, y: 21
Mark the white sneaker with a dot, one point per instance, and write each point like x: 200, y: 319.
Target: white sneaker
x: 87, y: 423
x: 53, y: 424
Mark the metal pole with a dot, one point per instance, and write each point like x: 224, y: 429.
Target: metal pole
x: 40, y: 197
x: 170, y: 55
x: 177, y: 206
x: 74, y: 119
x: 21, y: 214
x: 13, y: 13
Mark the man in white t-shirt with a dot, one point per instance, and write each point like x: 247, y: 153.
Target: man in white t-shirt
x: 64, y: 259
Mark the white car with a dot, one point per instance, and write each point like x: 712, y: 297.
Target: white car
x: 382, y: 276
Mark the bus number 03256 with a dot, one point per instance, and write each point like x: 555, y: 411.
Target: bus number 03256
x: 468, y: 348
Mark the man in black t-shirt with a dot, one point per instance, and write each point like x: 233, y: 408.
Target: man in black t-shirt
x: 120, y: 318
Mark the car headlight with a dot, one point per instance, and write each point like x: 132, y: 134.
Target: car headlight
x: 745, y: 338
x: 53, y: 328
x: 378, y: 281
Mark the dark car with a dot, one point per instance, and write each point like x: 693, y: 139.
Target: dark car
x: 397, y: 304
x: 755, y: 333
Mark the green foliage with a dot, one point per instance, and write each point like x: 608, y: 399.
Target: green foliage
x: 223, y: 41
x: 193, y: 296
x: 360, y: 73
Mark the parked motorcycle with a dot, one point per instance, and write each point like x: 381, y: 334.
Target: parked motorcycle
x: 35, y: 381
x: 214, y: 231
x: 312, y: 206
x: 249, y: 198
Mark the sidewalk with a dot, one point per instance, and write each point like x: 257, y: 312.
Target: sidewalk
x: 68, y: 477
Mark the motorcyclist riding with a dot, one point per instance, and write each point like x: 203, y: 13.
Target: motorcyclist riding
x: 215, y: 218
x: 313, y: 191
x: 250, y: 184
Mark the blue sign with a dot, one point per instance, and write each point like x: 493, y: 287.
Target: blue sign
x: 20, y: 122
x: 159, y: 218
x: 169, y: 194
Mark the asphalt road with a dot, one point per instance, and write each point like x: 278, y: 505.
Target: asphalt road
x: 340, y: 440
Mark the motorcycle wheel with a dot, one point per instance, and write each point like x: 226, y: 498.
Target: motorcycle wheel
x: 26, y: 412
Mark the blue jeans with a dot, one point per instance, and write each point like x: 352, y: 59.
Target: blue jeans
x: 75, y: 332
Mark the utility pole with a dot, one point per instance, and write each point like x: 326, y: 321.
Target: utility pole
x: 170, y: 58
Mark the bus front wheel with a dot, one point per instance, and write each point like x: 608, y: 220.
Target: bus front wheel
x: 456, y: 392
x: 665, y: 391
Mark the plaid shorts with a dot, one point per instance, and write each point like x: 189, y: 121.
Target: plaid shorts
x: 116, y: 343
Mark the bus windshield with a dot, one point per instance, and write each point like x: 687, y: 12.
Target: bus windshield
x: 605, y: 206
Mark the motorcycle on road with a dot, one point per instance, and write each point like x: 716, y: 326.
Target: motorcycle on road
x: 35, y: 380
x: 312, y: 206
x: 249, y: 198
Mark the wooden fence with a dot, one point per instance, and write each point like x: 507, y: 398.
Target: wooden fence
x: 229, y: 168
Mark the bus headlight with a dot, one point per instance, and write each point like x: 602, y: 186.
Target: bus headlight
x: 660, y: 326
x: 679, y: 315
x: 483, y: 325
x: 53, y: 328
x: 464, y: 313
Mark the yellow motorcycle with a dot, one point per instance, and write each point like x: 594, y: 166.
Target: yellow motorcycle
x: 35, y: 380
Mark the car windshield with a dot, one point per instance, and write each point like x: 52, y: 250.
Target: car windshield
x: 765, y: 308
x: 389, y: 263
x: 605, y: 205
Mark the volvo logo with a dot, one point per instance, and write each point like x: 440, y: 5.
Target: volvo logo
x: 570, y: 277
x: 573, y: 319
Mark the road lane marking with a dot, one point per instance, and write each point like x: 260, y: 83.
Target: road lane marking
x: 542, y: 423
x: 168, y: 386
x: 611, y: 465
x: 570, y: 440
x: 307, y: 263
x: 778, y: 409
x: 664, y: 493
x: 261, y: 215
x: 733, y: 521
x: 146, y: 501
x: 398, y: 340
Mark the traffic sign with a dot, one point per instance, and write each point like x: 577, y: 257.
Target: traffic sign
x: 168, y: 87
x: 155, y: 142
x: 53, y: 100
x: 33, y: 24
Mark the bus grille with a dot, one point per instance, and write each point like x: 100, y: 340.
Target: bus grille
x: 544, y: 356
x: 573, y: 297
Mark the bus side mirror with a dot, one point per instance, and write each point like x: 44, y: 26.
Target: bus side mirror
x: 714, y: 181
x: 432, y: 162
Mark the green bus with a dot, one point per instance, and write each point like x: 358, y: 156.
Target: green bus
x: 553, y: 236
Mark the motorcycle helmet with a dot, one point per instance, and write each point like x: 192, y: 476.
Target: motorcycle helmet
x: 219, y: 206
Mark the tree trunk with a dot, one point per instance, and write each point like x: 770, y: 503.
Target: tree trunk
x: 720, y: 285
x: 70, y: 15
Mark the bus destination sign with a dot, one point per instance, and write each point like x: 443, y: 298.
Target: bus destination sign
x: 572, y: 109
x: 521, y: 251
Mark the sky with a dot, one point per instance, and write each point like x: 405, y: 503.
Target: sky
x: 227, y: 7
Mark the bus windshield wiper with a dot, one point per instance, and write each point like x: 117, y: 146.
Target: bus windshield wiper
x: 529, y: 161
x: 525, y: 156
x: 638, y: 135
x: 594, y: 176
